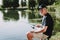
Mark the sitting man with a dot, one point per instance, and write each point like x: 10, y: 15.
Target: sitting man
x: 36, y: 29
x: 47, y: 23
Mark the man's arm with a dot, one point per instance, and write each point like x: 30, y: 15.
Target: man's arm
x: 42, y: 31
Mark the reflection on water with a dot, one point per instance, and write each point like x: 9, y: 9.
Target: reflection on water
x: 10, y: 14
x: 34, y: 17
x: 31, y: 15
x: 23, y: 13
x: 11, y: 29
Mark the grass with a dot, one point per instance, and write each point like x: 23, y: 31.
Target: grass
x: 56, y: 37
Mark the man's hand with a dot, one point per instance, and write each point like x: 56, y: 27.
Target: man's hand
x: 36, y: 32
x: 38, y: 25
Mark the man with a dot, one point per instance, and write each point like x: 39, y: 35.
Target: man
x: 47, y: 23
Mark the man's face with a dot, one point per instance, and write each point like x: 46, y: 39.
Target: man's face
x: 43, y: 11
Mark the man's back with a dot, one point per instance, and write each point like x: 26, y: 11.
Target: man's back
x: 49, y: 23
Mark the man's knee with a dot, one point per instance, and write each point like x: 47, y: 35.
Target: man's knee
x: 30, y: 35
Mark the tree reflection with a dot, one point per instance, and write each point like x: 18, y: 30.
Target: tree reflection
x: 34, y: 17
x: 23, y: 13
x: 31, y: 15
x: 10, y: 14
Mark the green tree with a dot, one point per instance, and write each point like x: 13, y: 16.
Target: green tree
x: 47, y: 2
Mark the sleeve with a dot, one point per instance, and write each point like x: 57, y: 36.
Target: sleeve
x: 48, y: 20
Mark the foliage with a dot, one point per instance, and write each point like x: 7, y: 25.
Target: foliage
x: 47, y: 2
